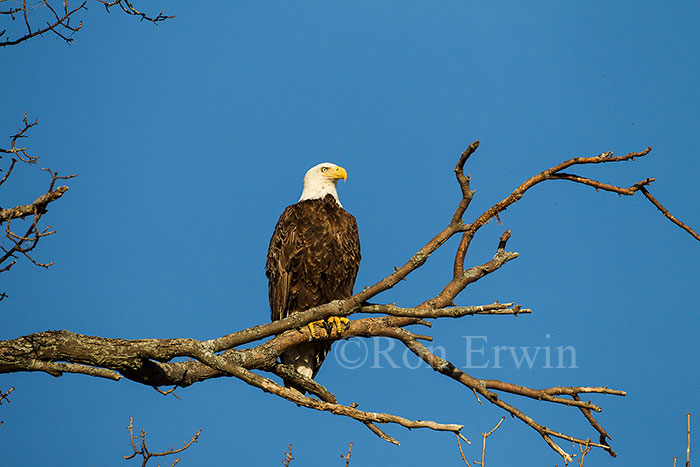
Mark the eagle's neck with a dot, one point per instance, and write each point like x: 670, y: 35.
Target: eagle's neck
x: 319, y: 190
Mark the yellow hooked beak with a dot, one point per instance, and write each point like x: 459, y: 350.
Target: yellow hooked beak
x: 338, y: 173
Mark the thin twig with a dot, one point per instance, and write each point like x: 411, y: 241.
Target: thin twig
x: 461, y: 453
x: 347, y: 457
x: 585, y: 448
x: 604, y: 436
x: 452, y: 312
x: 668, y: 215
x: 145, y: 453
x: 129, y: 9
x: 3, y: 395
x: 288, y: 456
x: 687, y: 451
x: 374, y: 429
x: 169, y: 391
x: 483, y: 445
x: 63, y: 21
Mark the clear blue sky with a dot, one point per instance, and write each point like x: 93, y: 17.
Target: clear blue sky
x: 190, y: 138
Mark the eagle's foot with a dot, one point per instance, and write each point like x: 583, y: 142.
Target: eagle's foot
x: 339, y: 322
x: 334, y: 322
x: 317, y: 323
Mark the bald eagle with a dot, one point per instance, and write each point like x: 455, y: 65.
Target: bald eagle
x: 313, y: 259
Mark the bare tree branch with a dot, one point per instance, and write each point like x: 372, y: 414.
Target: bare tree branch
x: 38, y: 206
x: 288, y: 456
x: 585, y: 449
x: 452, y: 312
x: 129, y: 9
x: 143, y: 451
x: 149, y: 361
x: 687, y: 451
x: 483, y: 445
x: 21, y: 153
x: 373, y: 428
x: 11, y: 12
x: 347, y: 456
x: 59, y: 18
x: 602, y: 186
x: 61, y: 22
x: 23, y: 244
x: 3, y: 397
x: 461, y: 452
x: 604, y: 436
x: 668, y: 215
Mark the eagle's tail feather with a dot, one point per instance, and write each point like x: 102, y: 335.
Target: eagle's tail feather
x: 306, y: 359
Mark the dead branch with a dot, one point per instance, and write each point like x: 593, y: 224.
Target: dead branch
x: 57, y: 19
x: 143, y: 451
x: 604, y: 436
x: 585, y: 449
x: 36, y: 207
x: 288, y: 456
x: 3, y: 395
x: 11, y: 12
x: 373, y: 428
x: 128, y: 8
x: 26, y: 242
x: 149, y: 361
x: 21, y: 244
x: 483, y: 445
x: 603, y: 186
x: 668, y: 215
x: 687, y: 451
x: 452, y: 312
x: 60, y: 25
x: 347, y: 456
x: 169, y: 391
x: 287, y: 373
x: 20, y: 153
x: 482, y: 387
x: 461, y: 452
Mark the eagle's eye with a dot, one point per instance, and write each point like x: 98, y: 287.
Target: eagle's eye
x: 324, y: 169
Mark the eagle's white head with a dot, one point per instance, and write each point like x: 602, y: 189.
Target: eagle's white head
x: 321, y: 180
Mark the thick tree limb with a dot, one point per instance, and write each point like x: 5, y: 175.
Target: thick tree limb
x: 38, y: 206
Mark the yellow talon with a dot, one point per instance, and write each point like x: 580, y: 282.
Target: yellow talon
x: 338, y: 321
x: 311, y: 327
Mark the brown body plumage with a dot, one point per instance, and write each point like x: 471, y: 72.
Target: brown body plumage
x: 313, y: 259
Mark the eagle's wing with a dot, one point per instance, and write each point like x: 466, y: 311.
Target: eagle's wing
x: 283, y: 248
